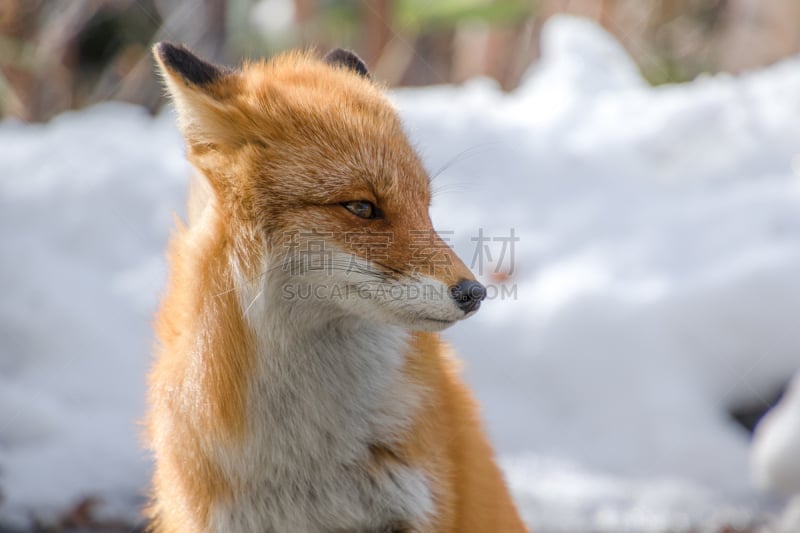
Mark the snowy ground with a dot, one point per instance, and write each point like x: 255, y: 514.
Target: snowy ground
x: 657, y: 278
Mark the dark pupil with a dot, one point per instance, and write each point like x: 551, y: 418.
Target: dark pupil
x: 363, y: 209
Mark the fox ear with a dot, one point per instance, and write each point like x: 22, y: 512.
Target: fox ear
x: 346, y: 59
x: 200, y: 91
x: 177, y: 59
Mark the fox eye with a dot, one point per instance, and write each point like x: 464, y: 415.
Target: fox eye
x: 363, y: 209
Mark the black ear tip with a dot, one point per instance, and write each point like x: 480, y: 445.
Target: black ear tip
x: 178, y: 59
x: 347, y: 59
x: 160, y: 47
x: 168, y: 52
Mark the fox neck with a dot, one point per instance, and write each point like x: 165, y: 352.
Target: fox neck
x: 323, y: 394
x: 344, y: 373
x: 326, y: 387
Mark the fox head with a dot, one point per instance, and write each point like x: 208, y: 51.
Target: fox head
x: 322, y: 199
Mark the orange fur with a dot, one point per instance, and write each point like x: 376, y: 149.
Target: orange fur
x: 280, y: 145
x: 448, y: 439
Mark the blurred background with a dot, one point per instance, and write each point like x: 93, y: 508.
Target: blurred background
x: 646, y: 153
x: 58, y: 54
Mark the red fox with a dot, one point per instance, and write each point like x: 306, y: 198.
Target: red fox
x: 299, y: 384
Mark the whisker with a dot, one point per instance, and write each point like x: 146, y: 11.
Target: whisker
x: 468, y: 152
x: 298, y: 266
x: 449, y: 187
x: 256, y: 297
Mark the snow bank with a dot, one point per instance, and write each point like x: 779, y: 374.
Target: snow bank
x: 86, y: 205
x: 653, y: 286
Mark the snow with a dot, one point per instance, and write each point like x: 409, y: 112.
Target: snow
x: 654, y: 286
x: 86, y: 205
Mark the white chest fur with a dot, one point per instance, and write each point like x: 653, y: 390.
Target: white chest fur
x: 323, y: 396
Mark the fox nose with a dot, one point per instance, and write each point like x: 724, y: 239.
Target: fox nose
x: 468, y: 294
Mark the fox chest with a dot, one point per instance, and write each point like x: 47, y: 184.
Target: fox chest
x: 319, y: 456
x: 328, y: 499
